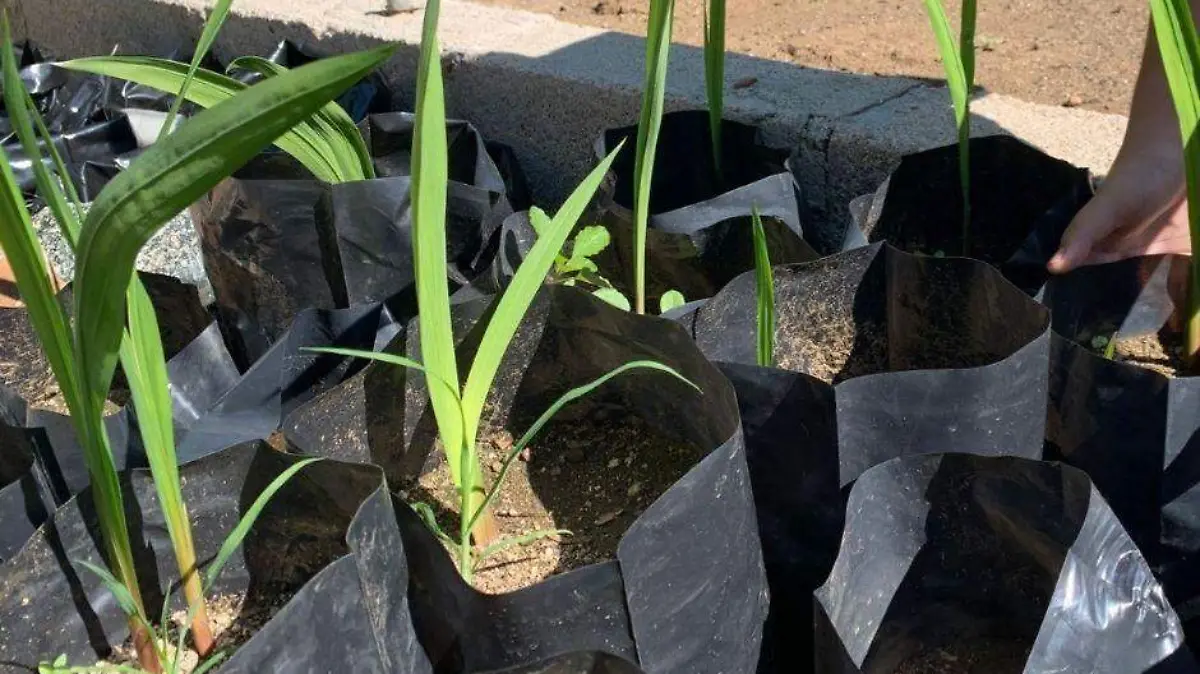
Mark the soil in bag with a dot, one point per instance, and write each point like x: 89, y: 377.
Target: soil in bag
x: 1130, y: 421
x: 301, y: 595
x: 25, y: 370
x: 699, y: 232
x: 879, y: 354
x: 631, y: 470
x: 276, y: 241
x: 964, y: 564
x: 1021, y: 202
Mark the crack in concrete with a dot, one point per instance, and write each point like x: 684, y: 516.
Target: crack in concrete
x: 880, y: 103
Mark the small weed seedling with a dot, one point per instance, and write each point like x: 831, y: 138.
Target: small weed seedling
x: 113, y: 316
x: 764, y: 293
x: 458, y: 410
x: 959, y: 63
x: 1180, y: 49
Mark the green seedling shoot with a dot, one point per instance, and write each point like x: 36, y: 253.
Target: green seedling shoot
x: 764, y: 293
x: 958, y: 59
x: 458, y: 409
x: 1180, y: 49
x: 113, y: 318
x: 714, y: 75
x: 574, y: 265
x: 658, y: 47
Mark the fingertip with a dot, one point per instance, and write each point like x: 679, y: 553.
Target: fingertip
x: 1059, y: 263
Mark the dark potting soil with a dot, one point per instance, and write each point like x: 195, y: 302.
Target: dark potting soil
x: 977, y: 656
x: 25, y: 369
x: 828, y: 335
x: 592, y: 476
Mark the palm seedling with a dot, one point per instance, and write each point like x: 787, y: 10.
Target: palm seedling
x: 958, y: 59
x: 458, y: 409
x: 113, y: 319
x: 714, y: 75
x: 1179, y: 46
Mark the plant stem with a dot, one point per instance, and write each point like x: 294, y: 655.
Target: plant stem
x: 143, y: 644
x: 966, y: 49
x: 658, y: 47
x: 193, y: 592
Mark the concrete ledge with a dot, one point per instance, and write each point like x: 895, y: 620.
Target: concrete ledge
x: 548, y: 88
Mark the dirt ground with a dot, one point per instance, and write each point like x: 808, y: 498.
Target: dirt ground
x: 1061, y: 52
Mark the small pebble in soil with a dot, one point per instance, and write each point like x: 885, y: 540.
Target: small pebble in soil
x: 524, y: 455
x: 503, y: 441
x: 634, y: 489
x: 613, y: 463
x: 1073, y: 101
x: 608, y: 517
x: 497, y: 466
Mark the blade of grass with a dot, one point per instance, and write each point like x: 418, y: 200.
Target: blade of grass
x: 658, y: 47
x: 355, y: 156
x: 235, y: 538
x: 523, y: 539
x: 764, y: 287
x: 208, y: 89
x: 520, y: 294
x: 216, y: 18
x: 1175, y: 30
x: 958, y: 59
x: 714, y: 75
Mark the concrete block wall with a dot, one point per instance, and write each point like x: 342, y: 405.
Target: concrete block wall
x: 549, y: 88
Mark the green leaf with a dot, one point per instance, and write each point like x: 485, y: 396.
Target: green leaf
x: 216, y: 659
x: 519, y: 295
x: 672, y: 299
x: 567, y: 398
x: 1179, y: 45
x: 658, y: 47
x: 216, y: 19
x: 524, y: 539
x: 383, y: 357
x: 590, y: 241
x: 764, y: 290
x: 576, y: 264
x: 430, y: 173
x: 172, y: 174
x: 714, y: 73
x: 958, y: 59
x: 425, y: 512
x: 235, y: 538
x: 208, y: 89
x: 538, y: 220
x: 613, y: 297
x: 341, y: 133
x: 115, y: 587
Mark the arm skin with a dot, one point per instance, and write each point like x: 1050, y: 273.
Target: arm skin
x: 1141, y: 207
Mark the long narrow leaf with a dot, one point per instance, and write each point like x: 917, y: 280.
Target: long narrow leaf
x: 960, y: 71
x: 523, y: 539
x: 1180, y: 48
x: 658, y: 47
x: 234, y: 540
x: 520, y: 293
x: 216, y: 19
x: 567, y: 398
x: 389, y: 358
x: 764, y: 290
x: 430, y: 171
x: 207, y: 90
x: 714, y: 74
x: 344, y: 136
x: 172, y: 174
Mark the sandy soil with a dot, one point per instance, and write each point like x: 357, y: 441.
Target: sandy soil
x: 1061, y: 52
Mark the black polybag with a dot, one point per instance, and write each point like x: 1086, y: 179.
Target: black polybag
x: 686, y: 592
x: 914, y: 392
x: 1135, y: 431
x: 327, y: 542
x: 1022, y: 200
x: 276, y: 241
x: 699, y: 234
x: 368, y: 96
x: 990, y: 564
x: 213, y: 407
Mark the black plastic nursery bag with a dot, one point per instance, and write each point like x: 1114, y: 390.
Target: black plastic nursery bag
x: 966, y: 563
x: 912, y: 355
x: 685, y: 592
x: 327, y: 544
x: 1134, y: 430
x: 1022, y: 200
x: 276, y: 241
x: 699, y: 234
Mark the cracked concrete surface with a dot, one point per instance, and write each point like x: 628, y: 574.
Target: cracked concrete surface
x: 549, y: 88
